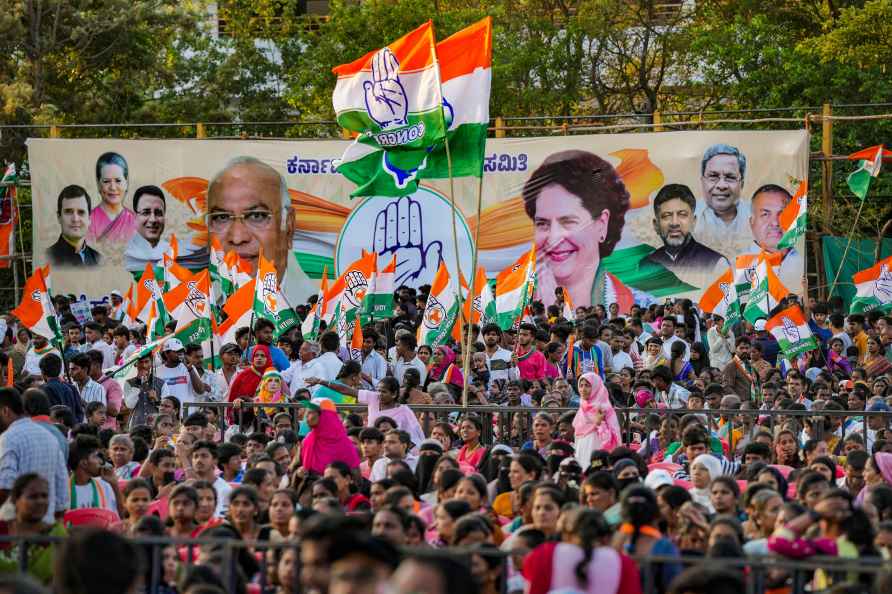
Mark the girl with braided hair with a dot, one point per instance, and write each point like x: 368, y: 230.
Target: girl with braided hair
x: 581, y: 561
x: 639, y: 537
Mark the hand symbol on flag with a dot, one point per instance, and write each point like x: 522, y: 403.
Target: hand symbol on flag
x: 357, y: 285
x: 399, y: 228
x: 385, y: 98
x: 882, y: 289
x: 791, y: 331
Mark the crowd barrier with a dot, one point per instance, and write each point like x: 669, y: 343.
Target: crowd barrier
x: 761, y: 574
x: 504, y: 417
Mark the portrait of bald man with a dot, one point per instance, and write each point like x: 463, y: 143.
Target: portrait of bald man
x: 249, y: 209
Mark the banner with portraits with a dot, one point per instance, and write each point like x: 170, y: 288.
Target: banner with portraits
x: 665, y: 213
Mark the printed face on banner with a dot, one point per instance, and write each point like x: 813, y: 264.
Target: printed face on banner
x: 664, y: 214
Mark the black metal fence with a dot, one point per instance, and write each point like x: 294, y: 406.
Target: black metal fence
x: 504, y: 418
x: 760, y: 574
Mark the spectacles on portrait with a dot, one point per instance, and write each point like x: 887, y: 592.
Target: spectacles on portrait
x: 714, y: 178
x: 257, y: 220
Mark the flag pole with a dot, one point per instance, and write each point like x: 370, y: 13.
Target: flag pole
x: 848, y: 243
x: 472, y: 294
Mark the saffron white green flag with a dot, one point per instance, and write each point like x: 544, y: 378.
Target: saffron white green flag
x: 441, y: 311
x: 870, y: 161
x: 766, y: 294
x: 514, y: 286
x: 873, y: 288
x: 36, y: 311
x: 391, y: 97
x: 793, y: 218
x: 465, y: 66
x: 378, y: 302
x: 269, y: 302
x: 792, y: 333
x: 720, y: 298
x: 309, y: 329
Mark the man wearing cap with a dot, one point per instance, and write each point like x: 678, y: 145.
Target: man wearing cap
x: 117, y: 301
x: 180, y: 380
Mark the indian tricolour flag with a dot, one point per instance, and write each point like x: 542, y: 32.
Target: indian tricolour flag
x: 269, y: 302
x: 720, y: 298
x: 309, y: 328
x: 36, y: 311
x: 378, y: 302
x: 767, y: 292
x: 465, y: 78
x: 873, y: 287
x: 391, y: 97
x: 568, y: 312
x: 870, y: 161
x: 791, y: 330
x: 479, y: 309
x: 513, y: 289
x: 793, y: 218
x: 441, y: 311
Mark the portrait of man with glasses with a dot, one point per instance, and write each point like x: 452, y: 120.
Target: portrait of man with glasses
x: 146, y: 245
x: 722, y: 219
x: 249, y: 209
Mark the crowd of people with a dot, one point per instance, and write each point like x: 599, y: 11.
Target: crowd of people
x: 643, y: 451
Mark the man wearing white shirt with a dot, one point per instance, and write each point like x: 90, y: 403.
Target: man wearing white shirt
x: 93, y: 333
x: 204, y: 468
x: 40, y: 347
x: 303, y: 367
x: 406, y: 357
x: 374, y: 367
x: 621, y: 359
x: 667, y: 334
x: 396, y: 449
x: 180, y: 380
x: 328, y: 362
x: 230, y: 353
x: 720, y: 341
x: 498, y: 359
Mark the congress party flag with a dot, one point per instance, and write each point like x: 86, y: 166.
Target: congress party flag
x: 345, y: 296
x: 791, y: 331
x: 766, y: 294
x: 793, y: 217
x: 514, y: 286
x: 378, y: 302
x: 36, y: 311
x: 309, y: 329
x: 441, y: 311
x: 720, y: 298
x: 150, y: 302
x: 147, y: 350
x: 269, y: 302
x: 391, y: 98
x: 239, y: 311
x: 356, y: 341
x: 479, y: 309
x: 870, y: 161
x: 190, y: 300
x: 873, y: 287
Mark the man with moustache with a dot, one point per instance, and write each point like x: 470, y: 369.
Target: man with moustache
x: 722, y: 217
x: 249, y: 210
x: 673, y: 220
x: 146, y: 245
x: 768, y: 202
x: 73, y: 211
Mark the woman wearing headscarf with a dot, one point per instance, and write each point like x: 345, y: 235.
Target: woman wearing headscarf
x: 877, y: 472
x: 445, y: 370
x: 704, y: 468
x: 327, y: 441
x: 244, y: 386
x: 271, y: 390
x: 595, y: 425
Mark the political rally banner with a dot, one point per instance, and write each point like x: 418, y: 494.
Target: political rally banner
x: 661, y: 214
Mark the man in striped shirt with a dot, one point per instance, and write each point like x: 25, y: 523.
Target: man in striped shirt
x: 695, y: 441
x: 89, y: 390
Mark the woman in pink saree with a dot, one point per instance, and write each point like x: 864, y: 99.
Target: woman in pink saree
x: 595, y: 424
x: 111, y: 221
x: 327, y: 441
